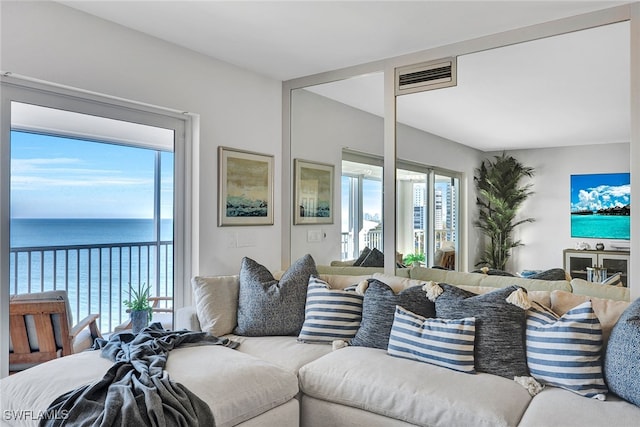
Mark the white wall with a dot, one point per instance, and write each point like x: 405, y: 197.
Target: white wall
x: 48, y: 41
x: 545, y: 238
x: 320, y: 129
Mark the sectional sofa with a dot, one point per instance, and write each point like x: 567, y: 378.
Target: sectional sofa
x: 360, y: 385
x: 315, y: 380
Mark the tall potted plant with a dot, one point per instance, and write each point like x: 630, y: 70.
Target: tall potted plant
x: 139, y: 308
x: 499, y: 196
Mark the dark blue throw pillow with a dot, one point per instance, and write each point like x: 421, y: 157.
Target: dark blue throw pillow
x: 500, y: 328
x: 379, y: 308
x: 267, y: 306
x: 622, y: 360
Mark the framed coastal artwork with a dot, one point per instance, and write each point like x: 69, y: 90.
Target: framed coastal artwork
x: 245, y: 188
x: 601, y: 206
x: 313, y: 189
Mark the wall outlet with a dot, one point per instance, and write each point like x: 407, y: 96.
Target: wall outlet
x: 314, y: 236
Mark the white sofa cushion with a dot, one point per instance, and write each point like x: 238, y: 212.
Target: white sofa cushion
x: 582, y: 287
x: 283, y: 351
x: 479, y: 279
x: 236, y: 386
x: 414, y: 392
x: 555, y: 407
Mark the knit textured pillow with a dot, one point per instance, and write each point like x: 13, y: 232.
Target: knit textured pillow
x: 330, y: 314
x: 566, y: 351
x: 378, y: 310
x: 500, y: 328
x: 442, y: 342
x: 363, y: 255
x: 374, y: 259
x: 267, y: 306
x: 622, y: 364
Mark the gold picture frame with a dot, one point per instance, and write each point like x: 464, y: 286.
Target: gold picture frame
x: 245, y: 188
x: 313, y: 190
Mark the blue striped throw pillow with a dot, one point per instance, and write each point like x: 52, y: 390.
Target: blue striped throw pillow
x: 330, y: 314
x: 443, y: 342
x: 566, y: 351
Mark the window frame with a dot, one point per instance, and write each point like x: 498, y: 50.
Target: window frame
x: 24, y: 90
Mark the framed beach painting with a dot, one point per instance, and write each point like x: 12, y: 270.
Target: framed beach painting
x: 601, y: 206
x: 245, y: 188
x: 313, y: 191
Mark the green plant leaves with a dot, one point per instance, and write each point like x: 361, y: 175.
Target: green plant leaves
x: 499, y: 196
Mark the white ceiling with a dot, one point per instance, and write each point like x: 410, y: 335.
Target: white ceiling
x: 561, y: 91
x: 497, y: 104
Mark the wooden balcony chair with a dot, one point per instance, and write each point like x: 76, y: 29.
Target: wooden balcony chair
x: 163, y: 315
x: 41, y: 329
x: 449, y: 260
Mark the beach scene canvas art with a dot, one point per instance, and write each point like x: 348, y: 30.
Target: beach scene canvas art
x: 246, y: 188
x: 601, y: 206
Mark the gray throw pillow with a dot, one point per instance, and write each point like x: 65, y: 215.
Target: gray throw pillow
x: 363, y: 255
x: 553, y: 274
x: 500, y: 328
x: 494, y: 272
x: 379, y: 308
x: 267, y: 306
x: 374, y: 259
x: 621, y: 363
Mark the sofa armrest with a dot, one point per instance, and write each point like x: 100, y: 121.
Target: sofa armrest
x: 187, y: 318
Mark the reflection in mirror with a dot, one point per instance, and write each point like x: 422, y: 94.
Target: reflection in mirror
x: 426, y: 215
x: 340, y: 123
x: 361, y: 204
x: 559, y: 105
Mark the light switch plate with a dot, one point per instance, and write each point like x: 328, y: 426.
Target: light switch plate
x: 314, y: 236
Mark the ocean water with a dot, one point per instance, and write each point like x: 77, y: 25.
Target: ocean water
x: 601, y: 226
x: 30, y: 232
x: 97, y: 279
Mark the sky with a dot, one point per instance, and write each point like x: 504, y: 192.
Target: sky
x: 600, y: 191
x: 53, y: 177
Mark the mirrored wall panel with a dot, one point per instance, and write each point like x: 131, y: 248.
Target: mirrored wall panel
x: 338, y: 125
x: 559, y: 105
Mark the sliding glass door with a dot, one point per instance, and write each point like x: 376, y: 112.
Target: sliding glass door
x: 361, y: 200
x: 95, y: 200
x: 427, y: 213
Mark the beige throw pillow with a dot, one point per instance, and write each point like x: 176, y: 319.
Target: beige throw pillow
x: 396, y: 283
x: 216, y: 303
x: 608, y: 311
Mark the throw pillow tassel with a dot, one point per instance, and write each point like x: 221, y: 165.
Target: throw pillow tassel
x: 338, y: 344
x: 530, y: 383
x: 520, y: 299
x: 433, y: 290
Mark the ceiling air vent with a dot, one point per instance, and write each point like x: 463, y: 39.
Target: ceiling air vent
x: 426, y: 76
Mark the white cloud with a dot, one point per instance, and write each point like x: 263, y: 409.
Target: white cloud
x: 602, y: 197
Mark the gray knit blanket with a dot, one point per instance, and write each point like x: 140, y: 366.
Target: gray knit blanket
x: 136, y: 390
